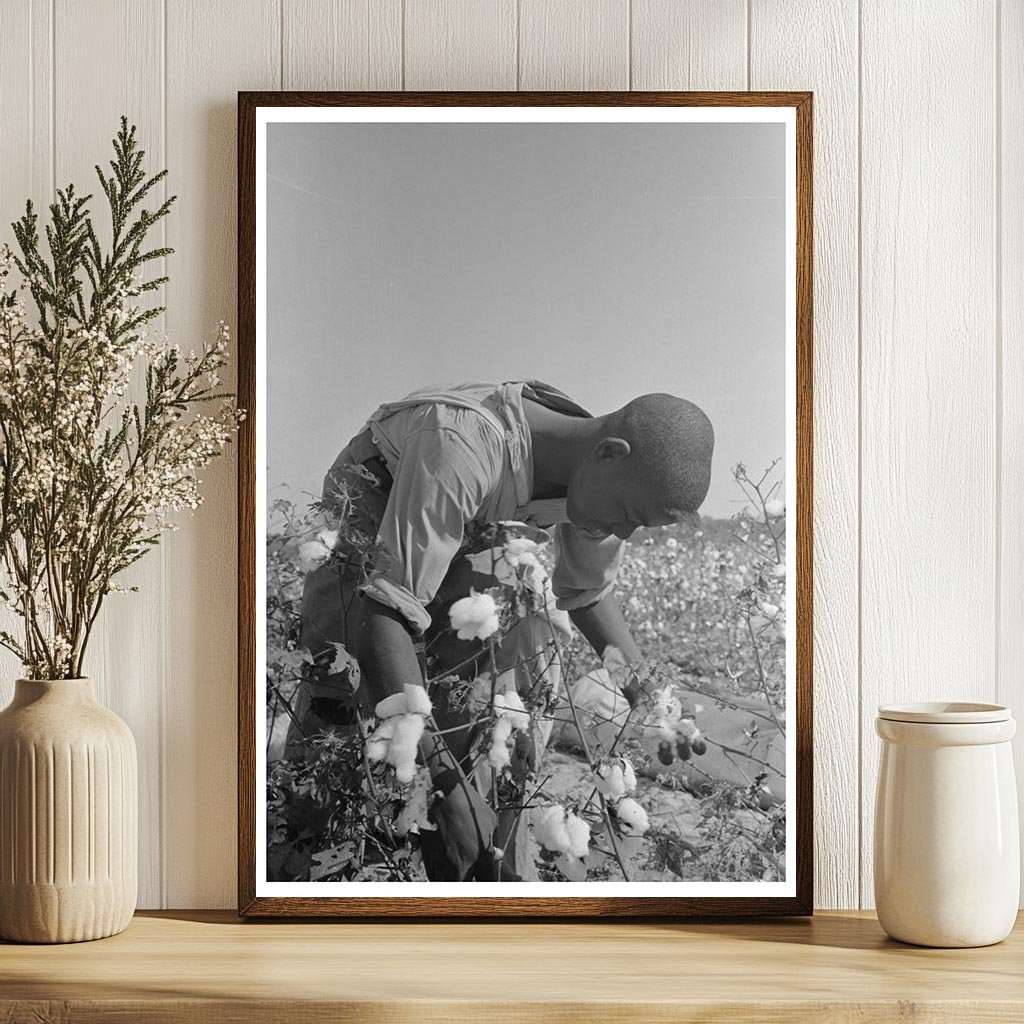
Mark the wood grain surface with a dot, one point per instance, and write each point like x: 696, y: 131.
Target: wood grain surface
x: 209, y: 967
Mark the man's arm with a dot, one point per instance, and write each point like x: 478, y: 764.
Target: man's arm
x: 386, y: 651
x: 603, y: 623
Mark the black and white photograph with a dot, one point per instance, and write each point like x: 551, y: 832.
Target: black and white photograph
x: 525, y: 502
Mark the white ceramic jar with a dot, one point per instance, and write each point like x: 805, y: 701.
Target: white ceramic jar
x: 947, y: 846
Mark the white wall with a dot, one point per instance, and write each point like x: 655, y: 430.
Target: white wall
x: 919, y: 317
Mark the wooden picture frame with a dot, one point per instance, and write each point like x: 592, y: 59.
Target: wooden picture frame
x: 252, y: 901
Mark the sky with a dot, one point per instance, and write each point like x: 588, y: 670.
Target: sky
x: 610, y: 260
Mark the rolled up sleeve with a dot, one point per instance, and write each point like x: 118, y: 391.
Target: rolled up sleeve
x: 440, y: 483
x: 585, y: 567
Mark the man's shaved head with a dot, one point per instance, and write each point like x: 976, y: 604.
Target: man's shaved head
x: 671, y: 442
x: 650, y: 466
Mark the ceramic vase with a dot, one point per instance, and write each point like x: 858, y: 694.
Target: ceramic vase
x: 947, y: 846
x: 68, y: 815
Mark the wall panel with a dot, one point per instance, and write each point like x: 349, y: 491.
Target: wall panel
x: 928, y: 514
x: 1010, y: 316
x: 460, y: 44
x: 26, y: 168
x: 213, y: 51
x: 342, y: 44
x: 574, y: 44
x: 689, y: 44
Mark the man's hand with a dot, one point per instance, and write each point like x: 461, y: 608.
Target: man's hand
x: 604, y: 625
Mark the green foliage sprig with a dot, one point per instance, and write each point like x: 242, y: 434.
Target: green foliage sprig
x: 89, y: 477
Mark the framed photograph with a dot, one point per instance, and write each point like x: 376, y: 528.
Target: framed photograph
x: 525, y: 501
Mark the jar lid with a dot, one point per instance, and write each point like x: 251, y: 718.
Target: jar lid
x: 945, y: 712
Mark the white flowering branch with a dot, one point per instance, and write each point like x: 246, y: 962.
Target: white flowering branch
x: 88, y: 477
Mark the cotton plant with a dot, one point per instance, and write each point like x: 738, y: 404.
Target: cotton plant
x: 91, y: 473
x: 561, y: 831
x: 403, y: 722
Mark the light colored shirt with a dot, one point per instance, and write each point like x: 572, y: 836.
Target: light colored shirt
x: 460, y: 454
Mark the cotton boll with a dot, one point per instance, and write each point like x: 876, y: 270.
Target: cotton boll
x: 632, y: 817
x: 329, y: 538
x: 579, y: 835
x: 656, y: 733
x: 402, y: 749
x: 609, y: 781
x: 417, y: 700
x: 549, y: 828
x: 517, y: 548
x: 377, y: 744
x: 474, y: 617
x: 498, y: 755
x: 393, y: 704
x: 376, y: 749
x: 615, y: 778
x: 628, y: 775
x: 312, y: 554
x: 774, y: 508
x: 515, y: 711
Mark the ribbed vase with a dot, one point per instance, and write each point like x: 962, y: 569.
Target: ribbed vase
x: 68, y: 815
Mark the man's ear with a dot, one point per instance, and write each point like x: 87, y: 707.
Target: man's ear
x: 610, y: 448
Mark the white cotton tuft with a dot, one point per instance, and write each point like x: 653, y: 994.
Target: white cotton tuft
x: 329, y: 538
x: 474, y: 617
x: 615, y: 778
x: 510, y: 705
x: 312, y: 554
x: 499, y: 755
x: 688, y: 727
x: 393, y: 704
x: 549, y: 828
x: 519, y: 549
x: 376, y: 750
x: 377, y: 744
x: 417, y: 700
x: 609, y: 781
x: 579, y: 835
x: 405, y: 738
x: 632, y: 817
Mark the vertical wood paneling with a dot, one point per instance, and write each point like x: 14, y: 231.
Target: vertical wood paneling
x: 213, y: 50
x: 342, y: 44
x: 26, y: 167
x: 814, y: 46
x: 574, y: 44
x: 935, y: 239
x: 689, y: 44
x: 928, y: 537
x: 125, y: 663
x: 460, y: 44
x: 1010, y: 176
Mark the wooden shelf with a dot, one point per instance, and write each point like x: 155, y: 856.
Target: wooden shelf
x: 210, y: 967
